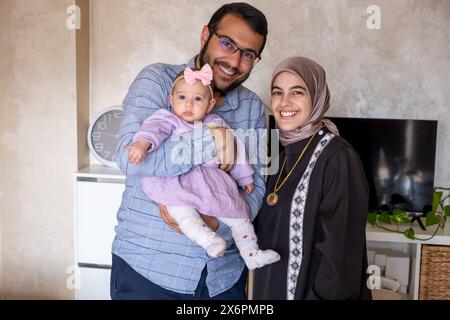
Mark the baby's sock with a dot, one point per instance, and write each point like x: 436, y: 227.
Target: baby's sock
x: 195, y: 229
x: 216, y: 247
x: 261, y: 258
x: 245, y: 239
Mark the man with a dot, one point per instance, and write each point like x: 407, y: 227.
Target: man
x: 150, y: 259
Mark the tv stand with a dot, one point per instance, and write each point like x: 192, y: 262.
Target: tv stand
x: 397, y: 241
x: 419, y: 222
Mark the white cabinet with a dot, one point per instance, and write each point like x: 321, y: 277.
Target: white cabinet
x: 378, y: 238
x: 97, y: 203
x: 98, y: 194
x: 93, y: 283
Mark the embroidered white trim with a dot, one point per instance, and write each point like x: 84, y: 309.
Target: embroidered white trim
x: 296, y: 219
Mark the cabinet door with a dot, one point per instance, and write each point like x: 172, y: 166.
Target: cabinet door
x: 93, y: 284
x: 97, y: 205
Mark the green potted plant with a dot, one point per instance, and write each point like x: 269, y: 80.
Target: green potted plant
x: 393, y: 220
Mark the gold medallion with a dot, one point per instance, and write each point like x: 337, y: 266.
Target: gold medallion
x: 272, y: 199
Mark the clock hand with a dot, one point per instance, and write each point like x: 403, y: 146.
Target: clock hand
x: 109, y: 134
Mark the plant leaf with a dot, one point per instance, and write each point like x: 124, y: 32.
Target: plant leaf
x: 399, y: 216
x: 447, y: 211
x: 409, y: 233
x: 437, y: 196
x: 432, y: 219
x: 384, y: 218
x: 372, y: 217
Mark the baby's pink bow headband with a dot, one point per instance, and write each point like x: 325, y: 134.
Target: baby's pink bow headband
x: 205, y: 75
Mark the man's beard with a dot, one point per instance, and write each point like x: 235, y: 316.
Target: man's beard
x: 222, y: 91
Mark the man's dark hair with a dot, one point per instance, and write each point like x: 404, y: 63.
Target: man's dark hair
x: 255, y: 18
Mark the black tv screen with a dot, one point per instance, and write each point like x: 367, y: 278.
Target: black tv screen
x: 399, y: 160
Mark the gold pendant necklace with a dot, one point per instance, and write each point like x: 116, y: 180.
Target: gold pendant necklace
x: 272, y: 198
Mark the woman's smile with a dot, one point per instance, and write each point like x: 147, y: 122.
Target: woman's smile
x: 288, y: 114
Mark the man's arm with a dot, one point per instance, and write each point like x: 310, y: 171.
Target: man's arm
x: 242, y: 170
x: 147, y: 94
x: 254, y: 199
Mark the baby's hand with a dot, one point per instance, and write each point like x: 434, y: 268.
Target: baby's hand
x: 137, y: 151
x: 249, y: 188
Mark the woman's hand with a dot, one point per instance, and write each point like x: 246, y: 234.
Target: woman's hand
x: 211, y: 222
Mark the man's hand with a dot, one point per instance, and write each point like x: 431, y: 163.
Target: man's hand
x: 211, y: 222
x: 249, y: 188
x: 226, y: 148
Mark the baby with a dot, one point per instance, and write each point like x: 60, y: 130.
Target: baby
x: 205, y: 188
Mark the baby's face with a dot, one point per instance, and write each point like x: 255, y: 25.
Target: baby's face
x: 191, y: 102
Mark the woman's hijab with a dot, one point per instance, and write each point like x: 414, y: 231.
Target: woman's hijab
x: 315, y: 79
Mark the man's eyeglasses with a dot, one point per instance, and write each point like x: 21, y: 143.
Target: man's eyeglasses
x: 228, y: 46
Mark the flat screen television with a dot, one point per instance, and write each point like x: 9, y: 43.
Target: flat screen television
x: 398, y: 156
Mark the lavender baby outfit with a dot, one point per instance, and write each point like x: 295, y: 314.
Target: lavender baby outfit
x: 206, y: 188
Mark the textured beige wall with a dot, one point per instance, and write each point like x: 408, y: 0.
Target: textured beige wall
x: 399, y: 71
x: 37, y: 147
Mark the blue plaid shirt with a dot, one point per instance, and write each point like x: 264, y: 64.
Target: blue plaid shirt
x: 143, y: 240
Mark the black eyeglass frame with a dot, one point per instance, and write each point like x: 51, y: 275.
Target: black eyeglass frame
x: 241, y: 51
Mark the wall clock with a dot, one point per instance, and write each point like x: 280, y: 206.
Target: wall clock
x: 102, y: 135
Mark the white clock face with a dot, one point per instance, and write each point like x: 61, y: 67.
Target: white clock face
x: 104, y: 135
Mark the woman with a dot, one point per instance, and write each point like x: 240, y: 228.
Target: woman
x: 316, y: 206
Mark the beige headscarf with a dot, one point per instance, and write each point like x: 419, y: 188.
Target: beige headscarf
x: 316, y: 84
